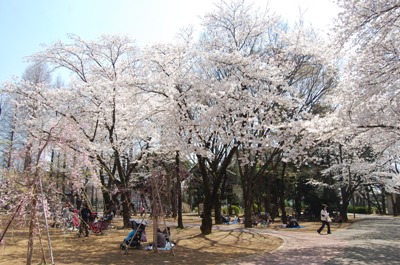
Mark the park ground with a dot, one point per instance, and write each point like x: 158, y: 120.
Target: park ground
x: 226, y: 244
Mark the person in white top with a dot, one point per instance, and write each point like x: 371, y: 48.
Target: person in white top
x: 325, y: 219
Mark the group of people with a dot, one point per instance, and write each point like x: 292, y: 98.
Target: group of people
x: 226, y: 219
x: 85, y: 215
x: 324, y: 216
x: 75, y: 218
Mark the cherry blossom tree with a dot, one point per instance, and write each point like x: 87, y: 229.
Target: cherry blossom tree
x: 261, y: 82
x: 106, y: 105
x: 369, y: 87
x: 367, y: 97
x: 26, y: 181
x: 390, y: 173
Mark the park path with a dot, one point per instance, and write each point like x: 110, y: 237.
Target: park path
x: 370, y: 240
x: 298, y: 248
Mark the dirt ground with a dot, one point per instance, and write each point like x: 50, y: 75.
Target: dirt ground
x: 224, y: 245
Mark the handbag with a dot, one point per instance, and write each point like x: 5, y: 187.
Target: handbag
x: 328, y: 219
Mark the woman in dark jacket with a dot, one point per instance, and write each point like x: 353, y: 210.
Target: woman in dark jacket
x: 84, y: 214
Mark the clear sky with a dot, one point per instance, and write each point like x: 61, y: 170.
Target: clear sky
x: 26, y: 24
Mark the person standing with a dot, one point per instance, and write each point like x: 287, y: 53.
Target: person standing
x: 325, y: 219
x: 85, y: 218
x: 66, y: 214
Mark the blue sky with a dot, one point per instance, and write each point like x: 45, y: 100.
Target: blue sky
x: 26, y: 24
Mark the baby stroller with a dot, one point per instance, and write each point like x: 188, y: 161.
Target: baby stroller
x: 136, y: 236
x: 101, y: 226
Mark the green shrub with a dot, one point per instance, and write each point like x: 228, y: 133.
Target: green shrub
x: 235, y: 209
x: 361, y: 209
x: 357, y: 209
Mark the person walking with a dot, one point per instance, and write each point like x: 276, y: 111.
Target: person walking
x: 325, y: 219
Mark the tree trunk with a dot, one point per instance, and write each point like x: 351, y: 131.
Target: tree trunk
x: 247, y: 210
x: 247, y: 189
x: 396, y: 205
x: 393, y: 204
x: 383, y: 200
x: 178, y: 190
x: 206, y: 221
x: 31, y: 230
x: 369, y: 210
x: 376, y: 199
x: 126, y: 202
x: 343, y: 211
x: 180, y: 218
x: 169, y: 195
x: 268, y: 197
x: 217, y: 211
x: 174, y: 200
x: 211, y: 187
x: 11, y: 146
x: 282, y: 194
x: 282, y: 207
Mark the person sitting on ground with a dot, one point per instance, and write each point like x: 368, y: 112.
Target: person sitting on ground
x: 292, y: 222
x: 167, y: 233
x: 161, y: 239
x: 235, y: 220
x: 225, y: 219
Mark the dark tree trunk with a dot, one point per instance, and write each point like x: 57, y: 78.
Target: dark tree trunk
x: 217, y: 206
x: 170, y: 191
x: 268, y: 196
x: 343, y: 211
x: 178, y: 189
x: 108, y: 203
x: 247, y: 188
x: 174, y: 204
x: 247, y: 210
x: 369, y: 210
x: 211, y: 186
x: 282, y: 194
x: 217, y: 211
x: 206, y: 221
x: 376, y: 199
x: 283, y: 210
x: 266, y: 203
x: 396, y: 205
x: 126, y: 203
x: 11, y: 142
x: 383, y: 198
x: 347, y: 195
x: 395, y: 199
x: 32, y: 222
